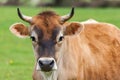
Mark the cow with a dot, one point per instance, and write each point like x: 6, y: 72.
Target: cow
x: 88, y: 50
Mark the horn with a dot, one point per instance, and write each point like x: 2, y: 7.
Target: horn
x: 68, y: 16
x: 23, y: 17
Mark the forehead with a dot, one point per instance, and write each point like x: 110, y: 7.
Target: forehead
x: 46, y: 19
x: 46, y: 24
x: 40, y: 30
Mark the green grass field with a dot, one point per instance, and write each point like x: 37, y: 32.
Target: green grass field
x: 16, y: 55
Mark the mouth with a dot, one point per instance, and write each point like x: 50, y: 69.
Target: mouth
x: 46, y: 69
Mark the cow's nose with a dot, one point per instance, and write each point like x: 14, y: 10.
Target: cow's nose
x: 46, y: 64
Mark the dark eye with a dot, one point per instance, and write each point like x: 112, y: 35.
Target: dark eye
x: 61, y: 38
x: 32, y: 38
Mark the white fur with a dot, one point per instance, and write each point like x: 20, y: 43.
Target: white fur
x: 49, y: 75
x: 34, y: 34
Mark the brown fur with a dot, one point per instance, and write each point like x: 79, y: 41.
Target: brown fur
x: 103, y: 41
x: 24, y: 30
x: 46, y: 21
x: 72, y: 28
x: 93, y: 54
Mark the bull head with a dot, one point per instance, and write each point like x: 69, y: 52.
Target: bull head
x: 47, y: 33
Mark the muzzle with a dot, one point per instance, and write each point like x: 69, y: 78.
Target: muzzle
x: 46, y: 64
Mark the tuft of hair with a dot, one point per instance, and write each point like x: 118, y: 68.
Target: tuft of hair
x: 49, y: 13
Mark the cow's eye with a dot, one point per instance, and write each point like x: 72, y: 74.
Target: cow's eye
x: 61, y: 38
x: 32, y: 38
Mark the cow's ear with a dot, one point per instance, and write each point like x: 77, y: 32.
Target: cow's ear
x: 73, y: 28
x: 19, y: 30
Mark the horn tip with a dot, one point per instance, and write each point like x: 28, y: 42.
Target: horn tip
x: 72, y: 11
x: 18, y: 9
x: 19, y: 14
x: 73, y: 8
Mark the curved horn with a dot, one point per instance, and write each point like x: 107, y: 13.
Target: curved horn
x: 23, y: 17
x: 68, y: 16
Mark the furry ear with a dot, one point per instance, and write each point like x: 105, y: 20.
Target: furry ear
x: 19, y: 30
x: 73, y: 28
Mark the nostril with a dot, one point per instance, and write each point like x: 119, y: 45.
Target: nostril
x: 52, y: 62
x: 40, y: 63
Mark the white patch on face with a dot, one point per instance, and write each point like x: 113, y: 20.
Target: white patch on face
x: 34, y: 34
x: 37, y: 67
x: 59, y: 35
x: 45, y: 58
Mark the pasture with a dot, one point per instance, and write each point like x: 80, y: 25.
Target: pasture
x: 16, y: 55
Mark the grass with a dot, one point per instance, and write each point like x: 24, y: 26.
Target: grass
x: 16, y: 55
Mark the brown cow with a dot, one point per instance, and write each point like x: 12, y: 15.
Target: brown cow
x: 87, y: 50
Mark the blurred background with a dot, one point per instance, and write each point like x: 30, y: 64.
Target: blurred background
x: 79, y: 3
x: 16, y: 55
